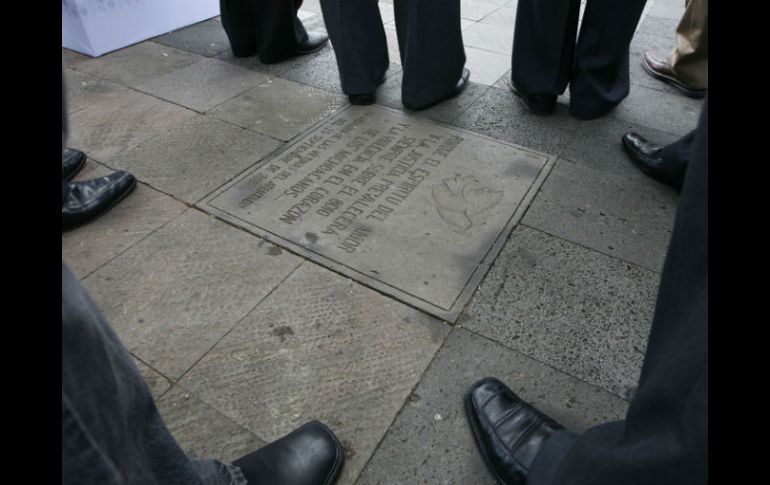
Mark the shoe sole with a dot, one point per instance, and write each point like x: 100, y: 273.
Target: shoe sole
x: 471, y: 415
x: 77, y: 169
x: 674, y: 83
x: 104, y: 210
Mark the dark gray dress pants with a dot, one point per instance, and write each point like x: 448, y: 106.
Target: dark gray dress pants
x: 429, y: 40
x: 546, y: 57
x: 269, y: 28
x: 664, y: 438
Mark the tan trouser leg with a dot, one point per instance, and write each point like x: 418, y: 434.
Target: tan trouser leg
x: 689, y: 59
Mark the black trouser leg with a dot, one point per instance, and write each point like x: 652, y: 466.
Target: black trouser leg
x: 431, y: 45
x: 676, y: 156
x: 600, y: 77
x: 267, y: 27
x: 544, y: 45
x: 664, y: 438
x: 358, y: 36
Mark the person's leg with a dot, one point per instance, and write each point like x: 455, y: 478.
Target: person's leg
x: 664, y: 438
x: 111, y: 429
x: 689, y: 60
x: 358, y: 37
x: 239, y: 19
x: 544, y: 45
x: 279, y: 30
x: 600, y: 75
x: 431, y: 45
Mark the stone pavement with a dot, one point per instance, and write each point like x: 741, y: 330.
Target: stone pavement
x: 242, y: 340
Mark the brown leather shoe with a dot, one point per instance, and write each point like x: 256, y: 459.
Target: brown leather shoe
x: 663, y: 71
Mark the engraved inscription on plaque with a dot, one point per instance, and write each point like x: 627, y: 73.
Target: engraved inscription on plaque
x: 413, y: 208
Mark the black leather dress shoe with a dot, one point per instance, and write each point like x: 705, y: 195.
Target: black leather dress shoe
x: 314, y: 42
x: 509, y: 432
x: 89, y: 198
x: 72, y: 162
x: 663, y: 71
x: 539, y: 104
x: 462, y: 83
x: 309, y: 455
x: 648, y: 157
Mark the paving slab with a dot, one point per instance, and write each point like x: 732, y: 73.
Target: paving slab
x: 661, y: 26
x: 318, y: 70
x: 206, y: 38
x: 173, y: 295
x: 502, y: 17
x: 139, y: 63
x: 576, y: 310
x: 195, y: 157
x: 431, y: 442
x: 478, y: 9
x: 624, y: 218
x: 82, y: 90
x: 377, y: 195
x: 669, y: 9
x: 597, y: 144
x: 89, y: 247
x: 673, y: 113
x: 111, y: 126
x: 71, y: 58
x: 253, y: 63
x: 500, y: 115
x: 157, y: 383
x: 320, y: 347
x: 201, y: 431
x: 389, y: 94
x: 203, y: 85
x: 490, y: 37
x: 279, y: 108
x: 486, y: 67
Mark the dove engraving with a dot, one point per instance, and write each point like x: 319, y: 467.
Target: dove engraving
x: 460, y: 198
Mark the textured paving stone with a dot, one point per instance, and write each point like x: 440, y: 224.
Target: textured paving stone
x: 253, y: 63
x: 573, y: 309
x: 110, y: 127
x: 414, y: 209
x: 627, y: 219
x: 279, y: 108
x: 669, y: 9
x: 201, y: 431
x: 205, y: 38
x: 139, y: 63
x: 172, y: 296
x: 158, y: 384
x: 318, y: 70
x: 502, y: 17
x: 431, y: 442
x: 82, y: 90
x: 661, y: 26
x: 478, y: 9
x: 88, y: 247
x: 490, y: 37
x: 597, y: 144
x: 504, y: 82
x: 500, y: 115
x: 673, y: 113
x: 320, y: 347
x: 71, y: 58
x: 447, y: 111
x: 486, y: 67
x: 203, y: 85
x: 196, y: 157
